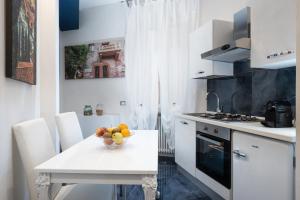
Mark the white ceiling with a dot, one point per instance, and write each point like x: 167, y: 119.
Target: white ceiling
x: 93, y: 3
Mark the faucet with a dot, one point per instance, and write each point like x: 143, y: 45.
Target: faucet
x: 218, y: 100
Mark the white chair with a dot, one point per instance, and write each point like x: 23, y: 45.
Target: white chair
x: 69, y: 129
x: 35, y: 146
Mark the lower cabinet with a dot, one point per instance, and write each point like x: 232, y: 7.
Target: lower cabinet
x: 262, y: 168
x: 185, y: 144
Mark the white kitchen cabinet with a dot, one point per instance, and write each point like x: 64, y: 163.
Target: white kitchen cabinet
x: 213, y: 34
x: 185, y: 144
x: 263, y: 170
x: 273, y: 31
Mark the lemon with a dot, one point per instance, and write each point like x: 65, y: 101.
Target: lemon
x: 117, y: 138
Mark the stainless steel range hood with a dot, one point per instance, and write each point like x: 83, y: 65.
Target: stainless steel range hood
x: 239, y: 49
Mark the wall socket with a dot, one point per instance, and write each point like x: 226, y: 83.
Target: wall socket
x: 122, y: 103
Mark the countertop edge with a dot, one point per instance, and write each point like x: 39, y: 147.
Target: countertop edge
x: 248, y: 129
x: 99, y: 172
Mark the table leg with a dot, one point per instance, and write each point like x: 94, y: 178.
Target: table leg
x: 149, y: 187
x: 43, y: 185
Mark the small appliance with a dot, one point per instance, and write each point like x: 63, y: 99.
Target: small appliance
x: 278, y: 114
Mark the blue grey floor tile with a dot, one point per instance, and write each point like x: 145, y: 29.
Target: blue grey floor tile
x: 172, y: 185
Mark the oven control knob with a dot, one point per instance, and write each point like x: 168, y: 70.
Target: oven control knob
x: 205, y: 128
x: 216, y: 131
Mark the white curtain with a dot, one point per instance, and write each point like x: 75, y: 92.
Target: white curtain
x: 141, y: 67
x: 156, y: 54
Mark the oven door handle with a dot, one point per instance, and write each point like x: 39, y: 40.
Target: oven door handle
x: 209, y: 140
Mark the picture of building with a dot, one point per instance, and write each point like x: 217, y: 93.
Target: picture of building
x: 104, y: 59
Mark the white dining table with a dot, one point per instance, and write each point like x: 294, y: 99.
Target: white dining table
x: 91, y: 162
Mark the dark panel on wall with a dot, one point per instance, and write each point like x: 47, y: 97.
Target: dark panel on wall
x: 250, y: 90
x: 242, y: 95
x: 224, y: 88
x: 272, y: 85
x: 68, y: 15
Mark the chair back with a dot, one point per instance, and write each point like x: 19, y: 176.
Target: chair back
x: 69, y: 129
x: 36, y: 146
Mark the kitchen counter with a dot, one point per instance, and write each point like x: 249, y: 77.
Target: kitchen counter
x: 283, y: 134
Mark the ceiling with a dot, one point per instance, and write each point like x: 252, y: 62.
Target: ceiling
x: 93, y: 3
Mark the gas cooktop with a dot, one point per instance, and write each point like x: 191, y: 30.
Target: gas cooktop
x: 227, y: 117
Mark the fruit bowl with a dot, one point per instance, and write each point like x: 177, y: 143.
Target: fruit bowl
x: 114, y: 138
x: 110, y: 144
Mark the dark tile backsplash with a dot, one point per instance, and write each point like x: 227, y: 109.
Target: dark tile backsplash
x: 250, y: 89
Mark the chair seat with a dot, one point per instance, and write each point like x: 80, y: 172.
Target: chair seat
x: 85, y: 192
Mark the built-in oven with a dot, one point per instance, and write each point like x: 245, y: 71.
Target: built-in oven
x: 213, y: 152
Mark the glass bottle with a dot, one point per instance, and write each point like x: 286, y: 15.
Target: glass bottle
x: 88, y: 110
x: 99, y: 109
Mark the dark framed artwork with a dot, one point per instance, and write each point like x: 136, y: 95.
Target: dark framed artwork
x: 21, y: 40
x: 104, y: 59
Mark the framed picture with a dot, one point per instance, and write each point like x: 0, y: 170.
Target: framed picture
x: 21, y: 40
x: 104, y: 59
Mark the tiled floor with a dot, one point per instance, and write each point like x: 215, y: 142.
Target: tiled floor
x: 172, y: 185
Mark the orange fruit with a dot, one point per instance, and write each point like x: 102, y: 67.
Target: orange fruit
x: 125, y: 133
x: 123, y: 126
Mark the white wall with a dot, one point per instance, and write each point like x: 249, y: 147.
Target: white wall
x: 18, y: 102
x: 220, y: 9
x: 49, y: 61
x: 97, y: 23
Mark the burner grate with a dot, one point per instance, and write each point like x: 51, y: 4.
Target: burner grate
x: 232, y: 117
x: 228, y: 117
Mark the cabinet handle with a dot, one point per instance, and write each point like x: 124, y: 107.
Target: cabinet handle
x: 282, y: 53
x: 183, y: 122
x: 201, y: 72
x: 239, y: 154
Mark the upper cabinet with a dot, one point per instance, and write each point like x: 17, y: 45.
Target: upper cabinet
x: 209, y: 36
x: 68, y: 15
x: 273, y: 33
